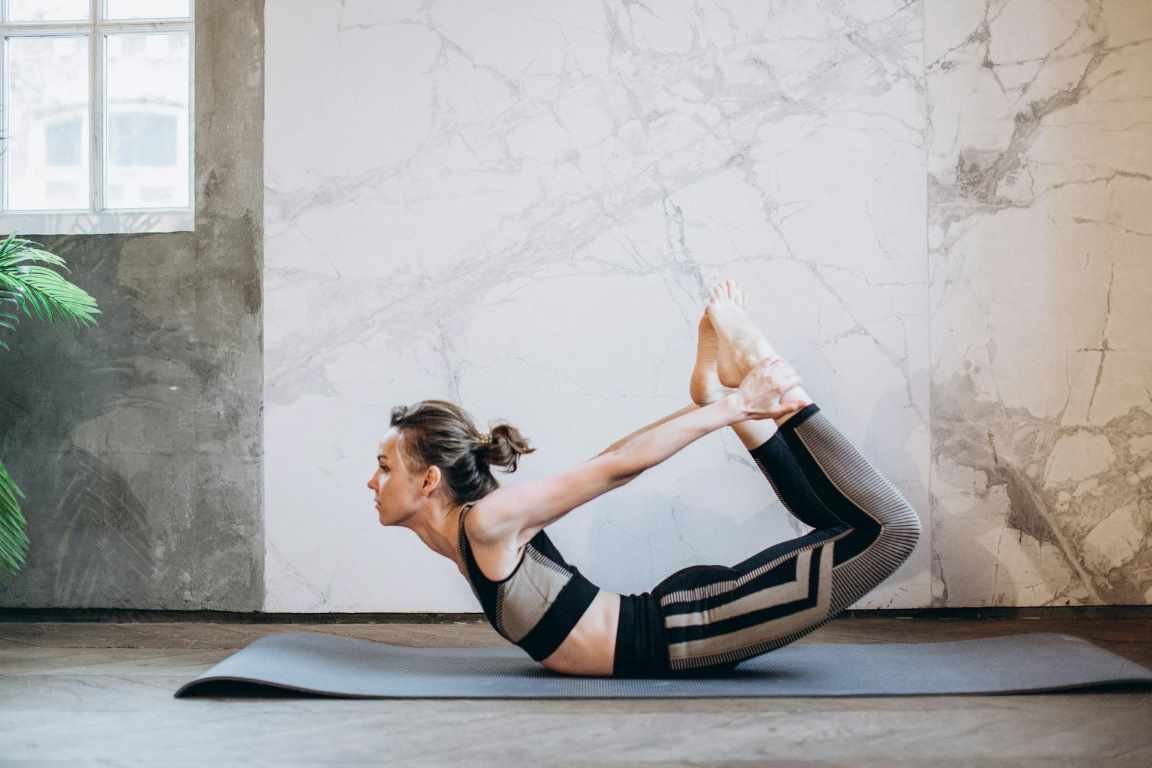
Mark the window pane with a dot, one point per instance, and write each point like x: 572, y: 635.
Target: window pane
x: 62, y: 142
x: 147, y: 9
x: 49, y: 10
x: 47, y: 157
x: 147, y: 120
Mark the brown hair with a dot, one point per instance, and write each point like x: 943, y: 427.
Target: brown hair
x: 440, y: 432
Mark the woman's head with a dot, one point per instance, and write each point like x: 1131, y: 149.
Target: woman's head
x: 439, y: 434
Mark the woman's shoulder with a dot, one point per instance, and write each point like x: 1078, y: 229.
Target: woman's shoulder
x: 479, y: 521
x: 488, y: 523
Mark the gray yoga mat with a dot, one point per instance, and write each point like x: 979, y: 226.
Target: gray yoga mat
x: 340, y: 666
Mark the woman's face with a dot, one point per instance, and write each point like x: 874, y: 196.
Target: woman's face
x: 390, y: 481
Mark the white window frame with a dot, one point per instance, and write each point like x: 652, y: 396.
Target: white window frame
x: 97, y: 219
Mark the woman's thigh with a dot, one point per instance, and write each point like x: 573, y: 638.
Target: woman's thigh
x: 716, y: 616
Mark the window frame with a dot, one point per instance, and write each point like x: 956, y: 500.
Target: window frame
x: 96, y: 219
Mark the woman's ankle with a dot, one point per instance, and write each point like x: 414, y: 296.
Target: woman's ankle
x: 793, y: 395
x: 753, y: 433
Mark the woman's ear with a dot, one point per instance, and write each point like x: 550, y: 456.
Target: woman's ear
x: 431, y: 481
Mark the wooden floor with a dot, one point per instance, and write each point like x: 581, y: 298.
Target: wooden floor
x: 101, y: 694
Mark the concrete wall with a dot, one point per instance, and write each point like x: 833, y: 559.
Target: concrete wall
x: 138, y: 442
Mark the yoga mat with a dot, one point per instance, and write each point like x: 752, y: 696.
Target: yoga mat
x: 346, y: 667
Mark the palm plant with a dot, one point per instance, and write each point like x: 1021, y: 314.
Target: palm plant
x: 40, y: 292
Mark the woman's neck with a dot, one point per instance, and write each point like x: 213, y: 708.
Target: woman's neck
x: 440, y: 531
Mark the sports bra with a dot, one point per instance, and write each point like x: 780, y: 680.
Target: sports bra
x: 538, y: 604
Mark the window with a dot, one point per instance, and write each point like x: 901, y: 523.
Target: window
x: 96, y: 116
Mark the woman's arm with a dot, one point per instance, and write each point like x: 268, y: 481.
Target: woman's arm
x: 658, y: 441
x: 758, y: 397
x: 624, y: 440
x: 514, y: 513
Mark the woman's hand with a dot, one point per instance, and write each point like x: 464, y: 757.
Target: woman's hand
x: 762, y: 387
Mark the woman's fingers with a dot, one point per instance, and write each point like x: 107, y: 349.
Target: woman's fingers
x: 780, y: 370
x: 786, y: 381
x: 765, y: 384
x: 786, y: 408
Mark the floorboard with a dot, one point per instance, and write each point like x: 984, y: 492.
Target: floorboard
x: 91, y: 693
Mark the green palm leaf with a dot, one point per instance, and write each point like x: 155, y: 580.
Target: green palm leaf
x: 38, y: 291
x: 13, y: 538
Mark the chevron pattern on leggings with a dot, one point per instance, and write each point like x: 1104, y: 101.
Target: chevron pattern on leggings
x: 716, y: 616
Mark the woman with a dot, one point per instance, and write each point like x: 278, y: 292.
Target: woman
x: 434, y: 478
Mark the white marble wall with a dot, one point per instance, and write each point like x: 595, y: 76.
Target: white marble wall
x: 1040, y: 227
x: 519, y: 206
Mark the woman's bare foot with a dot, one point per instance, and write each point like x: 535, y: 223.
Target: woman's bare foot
x: 742, y: 345
x: 705, y: 386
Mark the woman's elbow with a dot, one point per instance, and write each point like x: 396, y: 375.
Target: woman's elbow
x: 621, y: 470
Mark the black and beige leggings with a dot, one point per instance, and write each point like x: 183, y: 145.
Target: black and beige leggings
x: 716, y: 616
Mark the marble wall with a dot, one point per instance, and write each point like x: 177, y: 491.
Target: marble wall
x: 939, y: 208
x: 1040, y: 228
x: 520, y: 206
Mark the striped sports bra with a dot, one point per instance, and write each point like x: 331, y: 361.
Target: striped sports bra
x: 538, y: 604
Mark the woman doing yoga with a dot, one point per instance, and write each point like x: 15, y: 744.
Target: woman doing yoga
x: 434, y: 478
